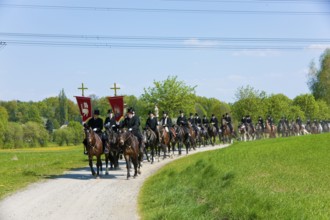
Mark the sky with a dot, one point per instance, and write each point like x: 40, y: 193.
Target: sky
x: 187, y: 37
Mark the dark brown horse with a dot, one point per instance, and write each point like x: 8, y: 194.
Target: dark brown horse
x: 212, y: 131
x: 112, y: 144
x: 151, y: 142
x: 182, y: 138
x: 130, y: 147
x: 94, y: 148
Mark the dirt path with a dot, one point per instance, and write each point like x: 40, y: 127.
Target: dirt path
x: 78, y: 195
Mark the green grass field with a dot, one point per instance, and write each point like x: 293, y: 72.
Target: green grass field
x: 283, y: 178
x: 20, y: 167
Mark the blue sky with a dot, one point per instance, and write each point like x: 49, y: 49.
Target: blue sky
x: 37, y: 72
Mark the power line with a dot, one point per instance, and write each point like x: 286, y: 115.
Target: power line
x: 153, y: 45
x: 163, y: 10
x: 162, y: 38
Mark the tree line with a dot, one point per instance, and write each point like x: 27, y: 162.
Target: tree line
x: 57, y: 119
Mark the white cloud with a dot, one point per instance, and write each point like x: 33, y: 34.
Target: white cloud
x: 200, y: 43
x: 318, y: 46
x: 257, y: 53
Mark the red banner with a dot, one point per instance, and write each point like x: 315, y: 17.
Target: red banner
x: 117, y: 105
x: 85, y: 107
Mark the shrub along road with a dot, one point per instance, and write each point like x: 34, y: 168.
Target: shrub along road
x: 78, y: 195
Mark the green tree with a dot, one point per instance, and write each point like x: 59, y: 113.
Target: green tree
x: 35, y: 134
x: 14, y: 136
x: 307, y: 104
x: 171, y: 95
x: 278, y: 105
x: 77, y: 132
x: 324, y: 110
x: 3, y: 123
x: 319, y: 80
x: 249, y: 92
x: 63, y: 108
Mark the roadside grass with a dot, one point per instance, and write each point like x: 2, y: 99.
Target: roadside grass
x: 283, y: 178
x: 20, y: 167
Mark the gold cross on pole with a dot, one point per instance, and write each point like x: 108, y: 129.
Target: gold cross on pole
x: 115, y: 88
x: 82, y: 89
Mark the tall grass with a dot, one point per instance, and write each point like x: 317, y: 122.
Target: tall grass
x: 284, y: 178
x: 20, y: 167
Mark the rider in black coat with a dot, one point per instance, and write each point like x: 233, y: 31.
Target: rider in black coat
x: 110, y: 121
x: 215, y: 122
x: 132, y: 123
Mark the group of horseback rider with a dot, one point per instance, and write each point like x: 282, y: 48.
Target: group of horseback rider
x: 132, y: 123
x: 247, y: 121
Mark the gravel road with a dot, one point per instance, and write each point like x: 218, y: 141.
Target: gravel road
x: 78, y: 195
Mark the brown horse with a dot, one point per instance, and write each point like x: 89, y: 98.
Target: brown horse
x: 270, y: 130
x: 165, y: 141
x: 130, y: 147
x: 192, y: 136
x: 226, y: 133
x: 94, y: 148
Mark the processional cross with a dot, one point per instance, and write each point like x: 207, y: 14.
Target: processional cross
x: 115, y: 88
x: 82, y: 89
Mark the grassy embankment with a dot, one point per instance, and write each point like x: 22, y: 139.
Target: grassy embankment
x: 20, y: 167
x: 283, y: 178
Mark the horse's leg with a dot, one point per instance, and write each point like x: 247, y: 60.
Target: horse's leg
x: 91, y: 165
x: 107, y: 163
x: 99, y: 165
x: 152, y: 153
x: 128, y: 165
x: 146, y: 153
x: 135, y: 160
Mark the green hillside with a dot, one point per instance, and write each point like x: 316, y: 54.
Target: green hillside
x: 284, y: 178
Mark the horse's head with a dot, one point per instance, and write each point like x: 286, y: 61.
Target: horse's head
x: 122, y: 137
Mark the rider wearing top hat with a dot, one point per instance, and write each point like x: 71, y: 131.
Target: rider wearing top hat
x: 96, y: 124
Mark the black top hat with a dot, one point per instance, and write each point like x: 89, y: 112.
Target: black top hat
x: 96, y: 112
x: 164, y: 113
x: 130, y: 110
x: 150, y: 112
x: 180, y: 111
x: 109, y: 111
x: 191, y: 114
x: 212, y: 115
x: 196, y: 114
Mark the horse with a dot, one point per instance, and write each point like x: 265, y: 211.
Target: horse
x: 283, y: 129
x: 212, y: 132
x: 325, y: 126
x: 165, y: 141
x: 113, y: 155
x: 226, y: 133
x: 243, y: 132
x: 259, y: 131
x: 94, y: 147
x: 204, y: 135
x: 270, y: 130
x: 182, y: 138
x: 192, y: 136
x: 151, y: 142
x: 130, y: 147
